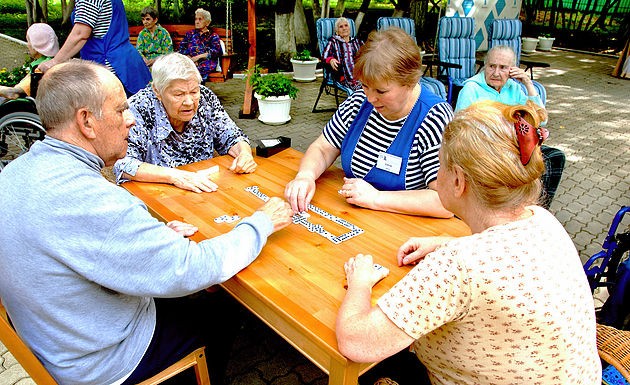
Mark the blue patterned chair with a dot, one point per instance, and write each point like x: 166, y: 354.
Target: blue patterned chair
x: 435, y: 86
x: 406, y: 24
x: 456, y: 53
x: 508, y: 32
x: 325, y: 30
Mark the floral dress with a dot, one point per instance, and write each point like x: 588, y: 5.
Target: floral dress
x: 196, y: 43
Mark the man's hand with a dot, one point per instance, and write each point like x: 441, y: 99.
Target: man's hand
x: 359, y: 192
x: 192, y: 181
x: 279, y: 212
x: 299, y: 192
x: 244, y: 163
x: 182, y: 228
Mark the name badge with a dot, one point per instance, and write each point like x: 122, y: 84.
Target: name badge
x: 388, y: 162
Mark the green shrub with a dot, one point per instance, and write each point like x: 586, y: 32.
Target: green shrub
x: 275, y: 84
x: 12, y: 77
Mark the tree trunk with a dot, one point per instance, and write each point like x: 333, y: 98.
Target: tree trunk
x: 285, y: 31
x: 302, y: 35
x: 66, y: 11
x: 45, y: 10
x: 341, y: 6
x: 365, y: 5
x: 317, y: 10
x: 419, y: 11
x: 400, y: 7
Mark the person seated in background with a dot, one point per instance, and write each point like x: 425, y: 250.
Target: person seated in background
x: 500, y: 82
x: 180, y: 121
x: 509, y: 303
x: 153, y: 41
x: 388, y: 135
x: 42, y: 44
x: 112, y: 303
x: 202, y: 45
x: 340, y: 53
x: 101, y: 34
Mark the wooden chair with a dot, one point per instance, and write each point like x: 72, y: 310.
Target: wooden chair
x: 40, y: 375
x: 613, y: 346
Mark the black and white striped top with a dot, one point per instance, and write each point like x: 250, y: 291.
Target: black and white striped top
x: 379, y: 133
x: 95, y: 13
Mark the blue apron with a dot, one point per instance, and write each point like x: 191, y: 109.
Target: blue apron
x: 400, y: 147
x: 116, y: 49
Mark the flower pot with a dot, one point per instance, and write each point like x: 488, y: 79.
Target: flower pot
x: 274, y: 110
x: 545, y: 43
x: 304, y: 71
x: 529, y: 44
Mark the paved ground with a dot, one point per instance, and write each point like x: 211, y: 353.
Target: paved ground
x: 589, y: 119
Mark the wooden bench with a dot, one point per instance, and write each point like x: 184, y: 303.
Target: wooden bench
x: 178, y: 31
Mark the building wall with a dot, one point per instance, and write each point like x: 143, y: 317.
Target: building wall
x: 484, y: 12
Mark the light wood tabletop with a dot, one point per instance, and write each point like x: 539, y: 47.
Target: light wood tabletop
x: 296, y: 284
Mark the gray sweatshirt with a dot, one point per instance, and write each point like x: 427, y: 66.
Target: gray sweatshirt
x: 81, y: 259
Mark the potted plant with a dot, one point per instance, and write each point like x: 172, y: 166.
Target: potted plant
x: 545, y: 42
x: 274, y: 93
x: 529, y: 44
x: 304, y: 66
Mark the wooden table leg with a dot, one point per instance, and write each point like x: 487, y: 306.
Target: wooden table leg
x: 344, y: 373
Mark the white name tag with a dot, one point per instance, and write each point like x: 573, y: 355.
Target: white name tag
x: 388, y: 162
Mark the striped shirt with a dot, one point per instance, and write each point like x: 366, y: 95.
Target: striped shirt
x: 95, y: 13
x: 379, y: 133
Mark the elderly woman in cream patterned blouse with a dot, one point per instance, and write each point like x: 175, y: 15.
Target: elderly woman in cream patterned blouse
x: 509, y: 304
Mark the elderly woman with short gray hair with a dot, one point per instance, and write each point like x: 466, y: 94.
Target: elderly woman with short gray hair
x: 202, y: 45
x: 179, y: 121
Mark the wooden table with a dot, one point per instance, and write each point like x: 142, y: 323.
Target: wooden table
x: 296, y: 285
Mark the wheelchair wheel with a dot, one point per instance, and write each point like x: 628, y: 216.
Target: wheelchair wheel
x: 18, y: 131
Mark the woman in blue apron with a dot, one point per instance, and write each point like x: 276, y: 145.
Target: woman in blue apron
x: 388, y: 135
x: 105, y: 40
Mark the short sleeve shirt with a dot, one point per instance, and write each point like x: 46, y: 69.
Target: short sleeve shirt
x: 379, y: 133
x: 510, y: 305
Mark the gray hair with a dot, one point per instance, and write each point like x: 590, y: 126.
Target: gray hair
x: 173, y: 66
x: 339, y: 21
x: 68, y: 87
x: 499, y: 48
x: 205, y: 14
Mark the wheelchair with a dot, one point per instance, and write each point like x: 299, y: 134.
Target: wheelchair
x: 20, y: 127
x: 610, y: 268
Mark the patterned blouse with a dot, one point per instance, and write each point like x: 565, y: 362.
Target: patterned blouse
x: 337, y: 48
x: 153, y: 140
x: 510, y: 305
x: 151, y: 45
x: 196, y: 43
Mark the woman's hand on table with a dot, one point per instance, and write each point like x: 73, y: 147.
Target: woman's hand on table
x: 415, y: 249
x: 192, y: 181
x: 243, y: 163
x: 279, y: 212
x: 299, y: 192
x: 359, y: 192
x: 361, y: 272
x: 182, y: 228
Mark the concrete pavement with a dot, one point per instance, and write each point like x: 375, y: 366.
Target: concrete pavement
x: 589, y: 119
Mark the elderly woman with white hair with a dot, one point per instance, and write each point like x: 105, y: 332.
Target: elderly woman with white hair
x: 179, y: 121
x: 341, y: 51
x: 202, y: 45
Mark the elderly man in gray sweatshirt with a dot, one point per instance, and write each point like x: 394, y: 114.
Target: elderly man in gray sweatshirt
x: 82, y: 261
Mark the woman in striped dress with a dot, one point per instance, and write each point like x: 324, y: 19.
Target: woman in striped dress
x: 388, y: 135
